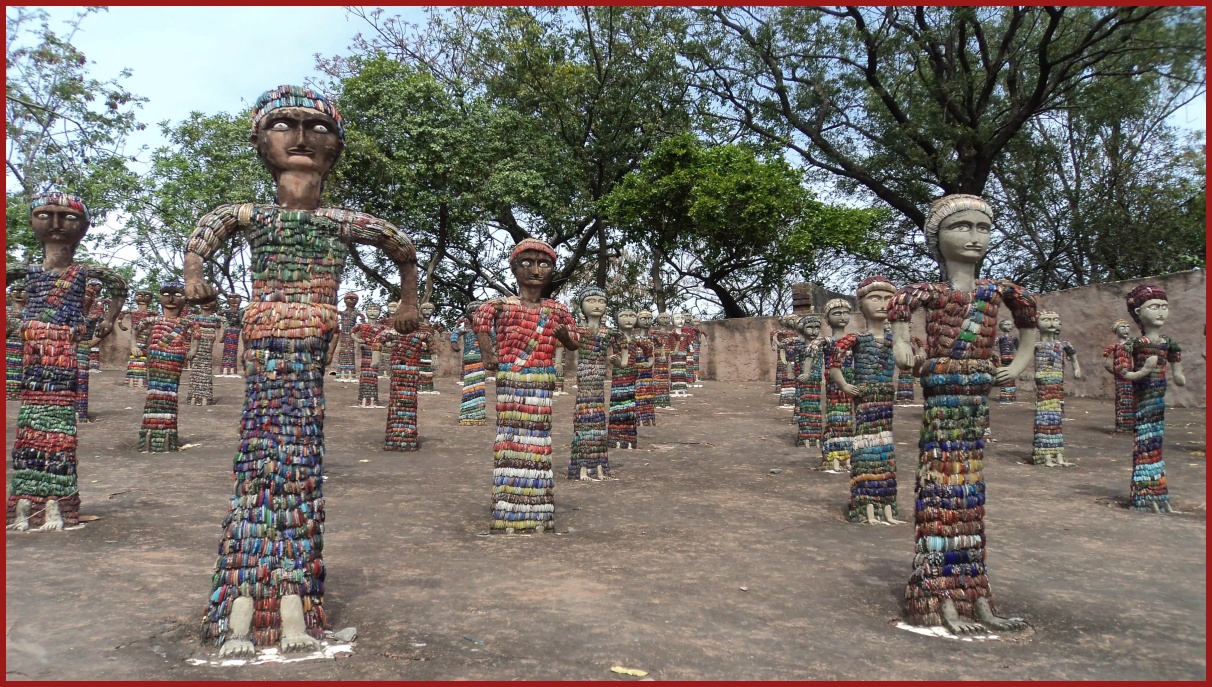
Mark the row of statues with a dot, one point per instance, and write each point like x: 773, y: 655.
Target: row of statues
x: 268, y: 582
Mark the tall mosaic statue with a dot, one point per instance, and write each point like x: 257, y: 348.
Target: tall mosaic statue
x: 1006, y: 346
x: 364, y: 335
x: 44, y: 493
x: 171, y: 339
x: 404, y: 367
x: 268, y: 584
x: 136, y: 362
x: 233, y: 324
x: 1048, y: 444
x: 472, y: 405
x: 425, y: 384
x: 679, y: 373
x: 1152, y: 359
x: 645, y: 360
x: 528, y: 327
x: 664, y: 345
x: 13, y: 364
x: 599, y: 347
x: 809, y: 421
x: 949, y: 585
x: 873, y: 453
x: 1116, y: 355
x: 348, y: 318
x: 621, y: 425
x: 839, y: 409
x: 207, y: 326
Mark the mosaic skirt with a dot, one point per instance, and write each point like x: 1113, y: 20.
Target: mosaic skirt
x: 523, y: 484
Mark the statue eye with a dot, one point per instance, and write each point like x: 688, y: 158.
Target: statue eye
x: 280, y: 126
x: 42, y: 215
x: 320, y: 128
x: 72, y: 217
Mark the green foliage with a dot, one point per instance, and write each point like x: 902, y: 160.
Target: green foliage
x: 64, y: 129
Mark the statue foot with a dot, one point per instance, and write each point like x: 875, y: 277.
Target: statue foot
x: 1167, y: 508
x: 870, y: 514
x: 294, y: 629
x: 889, y: 518
x: 836, y: 466
x: 985, y: 615
x: 1061, y: 462
x: 21, y: 521
x: 952, y: 621
x: 53, y: 521
x: 601, y: 475
x: 584, y: 476
x: 238, y: 644
x: 1154, y: 506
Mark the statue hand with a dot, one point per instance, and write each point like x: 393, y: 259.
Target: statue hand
x: 490, y: 363
x: 1150, y: 364
x: 1180, y: 379
x: 103, y: 330
x: 407, y: 319
x: 1002, y: 375
x: 199, y: 292
x: 902, y: 354
x: 454, y: 346
x: 1077, y: 373
x: 850, y: 390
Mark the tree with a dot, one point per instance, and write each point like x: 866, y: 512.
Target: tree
x: 904, y: 104
x: 64, y: 128
x: 737, y: 224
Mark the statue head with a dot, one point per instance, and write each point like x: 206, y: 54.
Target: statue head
x: 373, y: 311
x: 1006, y: 326
x: 143, y: 297
x: 874, y: 295
x: 592, y: 302
x: 694, y: 320
x: 958, y: 230
x: 837, y: 313
x: 1122, y: 328
x: 533, y: 263
x: 810, y: 326
x: 1048, y: 322
x: 172, y: 297
x: 679, y: 319
x: 296, y: 129
x: 788, y: 321
x: 643, y: 319
x: 1148, y: 306
x: 392, y: 306
x: 664, y: 319
x: 209, y: 307
x: 91, y: 289
x: 350, y: 299
x: 426, y: 309
x: 625, y: 319
x: 16, y: 291
x: 58, y: 218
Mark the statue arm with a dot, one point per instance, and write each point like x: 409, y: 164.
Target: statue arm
x: 115, y: 287
x: 213, y: 231
x: 359, y: 227
x: 482, y: 322
x: 1023, y: 308
x: 900, y: 315
x: 1174, y: 355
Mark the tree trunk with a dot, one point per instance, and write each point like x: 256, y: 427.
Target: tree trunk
x: 731, y: 307
x: 603, y: 253
x: 658, y: 284
x: 439, y: 251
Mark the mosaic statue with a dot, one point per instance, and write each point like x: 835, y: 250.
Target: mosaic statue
x: 1151, y: 358
x: 949, y: 585
x: 347, y: 319
x: 839, y: 408
x: 527, y: 327
x: 13, y: 364
x: 43, y: 493
x: 599, y: 345
x: 1007, y: 347
x: 664, y: 345
x: 679, y: 374
x: 873, y: 454
x: 233, y: 321
x: 136, y: 363
x: 405, y: 367
x: 1114, y: 356
x: 693, y: 363
x: 425, y: 386
x: 472, y: 406
x: 784, y: 386
x: 561, y: 361
x: 268, y: 585
x: 95, y: 314
x: 904, y: 387
x: 1048, y: 445
x: 808, y: 419
x: 364, y: 335
x: 207, y: 326
x: 84, y: 347
x: 621, y: 426
x: 645, y: 360
x: 170, y: 340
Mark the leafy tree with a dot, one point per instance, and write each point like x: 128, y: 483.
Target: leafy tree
x: 64, y: 128
x: 737, y: 224
x: 903, y: 104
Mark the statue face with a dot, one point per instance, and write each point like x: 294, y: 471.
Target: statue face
x: 208, y: 308
x: 373, y: 311
x: 963, y: 237
x: 18, y: 296
x: 298, y: 139
x: 1005, y: 326
x: 351, y: 300
x: 626, y: 319
x: 593, y: 306
x: 1048, y: 323
x: 810, y: 329
x: 1153, y: 313
x: 426, y: 310
x: 643, y: 320
x: 532, y: 268
x: 472, y: 307
x: 838, y: 318
x: 58, y: 225
x: 679, y: 319
x: 233, y: 301
x: 392, y: 306
x: 143, y: 298
x: 172, y: 297
x: 664, y: 319
x: 1123, y: 331
x: 874, y: 306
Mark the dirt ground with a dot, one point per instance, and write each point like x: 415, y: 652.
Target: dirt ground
x: 697, y: 563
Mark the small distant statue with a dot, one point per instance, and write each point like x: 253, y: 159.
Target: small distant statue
x: 599, y: 347
x: 839, y: 409
x: 13, y: 363
x: 136, y: 362
x: 348, y: 318
x: 171, y: 339
x: 645, y: 361
x: 1007, y: 347
x: 207, y: 326
x: 472, y: 408
x: 809, y: 420
x: 1114, y: 356
x: 621, y: 426
x: 364, y: 334
x: 1048, y: 445
x: 425, y: 384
